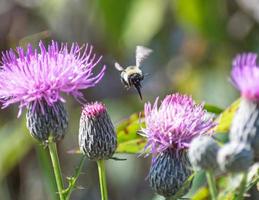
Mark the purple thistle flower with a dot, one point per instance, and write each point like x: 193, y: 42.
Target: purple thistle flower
x: 31, y: 77
x: 245, y: 75
x: 174, y: 123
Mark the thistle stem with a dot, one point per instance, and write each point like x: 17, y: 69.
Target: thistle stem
x: 56, y: 167
x: 212, y: 185
x: 242, y: 187
x: 102, y: 179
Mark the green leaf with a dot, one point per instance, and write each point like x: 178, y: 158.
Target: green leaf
x: 131, y: 146
x: 127, y: 130
x: 213, y: 109
x: 225, y: 119
x: 202, y: 194
x: 129, y: 141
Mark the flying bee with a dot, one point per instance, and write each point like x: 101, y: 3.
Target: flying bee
x: 132, y: 75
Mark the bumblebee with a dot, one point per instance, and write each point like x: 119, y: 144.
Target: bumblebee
x: 133, y: 75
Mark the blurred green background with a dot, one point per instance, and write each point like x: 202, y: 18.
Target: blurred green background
x: 194, y: 42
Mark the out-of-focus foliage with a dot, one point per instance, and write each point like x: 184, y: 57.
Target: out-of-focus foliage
x: 204, y: 16
x: 145, y: 20
x: 230, y: 185
x: 114, y: 15
x: 202, y: 194
x: 193, y: 42
x: 14, y: 145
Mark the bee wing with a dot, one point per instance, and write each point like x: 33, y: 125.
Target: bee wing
x: 118, y: 67
x: 141, y: 54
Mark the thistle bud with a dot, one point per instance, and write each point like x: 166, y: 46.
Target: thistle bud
x: 44, y: 121
x: 97, y: 137
x: 202, y: 153
x: 235, y: 157
x: 168, y: 172
x: 245, y: 125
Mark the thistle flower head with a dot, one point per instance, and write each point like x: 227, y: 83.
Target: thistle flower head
x: 30, y: 76
x: 174, y: 123
x: 97, y: 137
x: 245, y: 75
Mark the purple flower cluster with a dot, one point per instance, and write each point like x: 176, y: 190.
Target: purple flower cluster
x: 174, y: 123
x: 31, y: 76
x: 245, y: 75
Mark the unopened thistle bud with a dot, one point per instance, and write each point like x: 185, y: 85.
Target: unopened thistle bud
x: 245, y: 126
x: 168, y: 172
x: 203, y: 153
x: 44, y: 121
x: 97, y: 137
x: 235, y: 157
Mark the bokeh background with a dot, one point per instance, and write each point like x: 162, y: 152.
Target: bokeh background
x: 194, y: 42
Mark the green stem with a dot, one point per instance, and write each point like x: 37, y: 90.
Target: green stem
x: 212, y: 185
x: 102, y: 179
x: 75, y: 177
x: 56, y: 167
x: 242, y: 187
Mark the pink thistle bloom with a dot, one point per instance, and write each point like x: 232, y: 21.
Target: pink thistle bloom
x: 245, y: 75
x: 94, y: 109
x: 29, y: 76
x: 173, y: 124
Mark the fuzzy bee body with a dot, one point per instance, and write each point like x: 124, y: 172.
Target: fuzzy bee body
x: 133, y: 75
